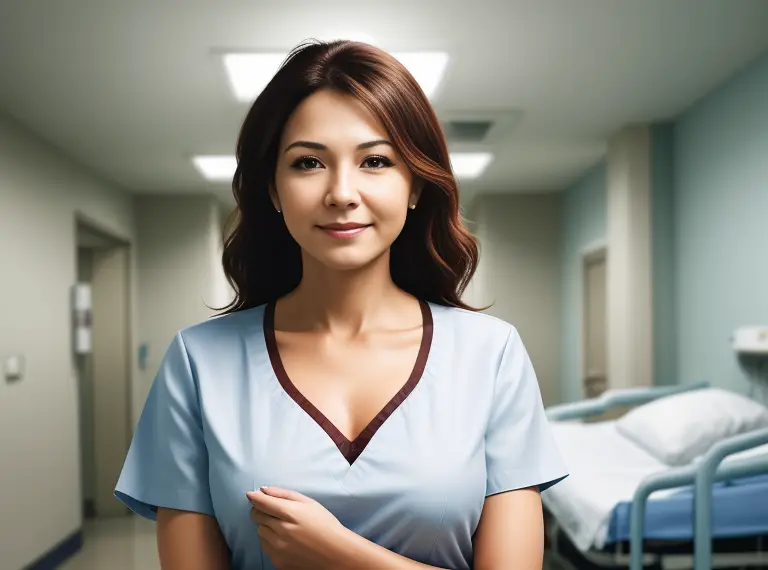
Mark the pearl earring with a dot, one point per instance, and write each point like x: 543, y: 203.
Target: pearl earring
x: 412, y: 206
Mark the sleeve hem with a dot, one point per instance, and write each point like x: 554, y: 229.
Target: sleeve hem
x: 513, y: 483
x: 145, y: 504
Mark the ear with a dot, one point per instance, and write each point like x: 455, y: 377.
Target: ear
x: 416, y: 188
x: 274, y: 197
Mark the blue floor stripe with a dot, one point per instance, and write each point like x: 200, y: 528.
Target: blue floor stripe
x: 60, y: 553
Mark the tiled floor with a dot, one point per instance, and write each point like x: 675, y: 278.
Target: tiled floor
x: 127, y: 543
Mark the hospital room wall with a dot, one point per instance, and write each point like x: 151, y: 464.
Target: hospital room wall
x: 175, y: 269
x: 663, y: 260
x: 721, y: 225
x: 709, y: 231
x: 40, y: 192
x: 584, y: 216
x: 519, y: 273
x: 626, y: 197
x: 179, y: 273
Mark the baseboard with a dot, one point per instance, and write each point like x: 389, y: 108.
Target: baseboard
x: 60, y: 553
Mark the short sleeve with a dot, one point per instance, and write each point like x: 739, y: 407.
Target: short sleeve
x: 167, y: 462
x: 519, y: 445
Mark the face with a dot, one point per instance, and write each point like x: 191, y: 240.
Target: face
x: 341, y: 186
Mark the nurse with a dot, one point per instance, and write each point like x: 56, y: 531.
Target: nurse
x: 347, y: 410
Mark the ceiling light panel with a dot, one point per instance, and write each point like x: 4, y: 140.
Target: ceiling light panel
x: 249, y: 73
x: 216, y: 168
x: 470, y: 164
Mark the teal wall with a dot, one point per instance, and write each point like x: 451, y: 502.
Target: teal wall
x: 721, y: 225
x: 663, y: 267
x: 709, y: 179
x: 584, y: 219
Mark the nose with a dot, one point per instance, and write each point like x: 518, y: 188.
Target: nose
x: 342, y: 191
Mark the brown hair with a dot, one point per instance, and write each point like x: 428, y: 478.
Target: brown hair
x: 433, y: 258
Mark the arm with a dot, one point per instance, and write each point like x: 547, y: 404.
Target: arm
x: 511, y: 532
x: 362, y: 553
x: 298, y: 532
x: 190, y: 541
x: 165, y: 475
x: 510, y: 535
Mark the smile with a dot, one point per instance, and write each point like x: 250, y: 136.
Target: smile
x: 344, y: 231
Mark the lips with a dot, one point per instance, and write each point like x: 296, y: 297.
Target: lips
x: 344, y: 227
x: 346, y: 230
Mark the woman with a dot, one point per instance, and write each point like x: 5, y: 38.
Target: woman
x: 348, y: 410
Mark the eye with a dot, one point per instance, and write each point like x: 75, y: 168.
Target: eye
x: 307, y: 163
x: 377, y: 162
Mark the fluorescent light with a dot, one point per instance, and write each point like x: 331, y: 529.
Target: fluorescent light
x: 216, y: 168
x: 222, y: 167
x: 427, y: 68
x: 470, y: 164
x: 249, y: 73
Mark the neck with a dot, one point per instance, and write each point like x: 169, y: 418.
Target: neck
x: 346, y: 301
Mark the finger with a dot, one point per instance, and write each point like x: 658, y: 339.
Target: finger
x: 272, y: 545
x: 263, y: 518
x: 285, y: 494
x: 273, y: 506
x: 267, y: 534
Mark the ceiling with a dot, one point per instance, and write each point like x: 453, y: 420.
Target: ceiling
x: 132, y: 89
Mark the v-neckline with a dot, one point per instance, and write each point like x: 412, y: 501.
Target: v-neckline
x: 351, y: 450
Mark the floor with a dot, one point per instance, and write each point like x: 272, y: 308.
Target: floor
x: 126, y: 543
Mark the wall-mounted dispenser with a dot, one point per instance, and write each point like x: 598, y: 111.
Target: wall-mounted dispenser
x: 81, y: 318
x: 751, y: 347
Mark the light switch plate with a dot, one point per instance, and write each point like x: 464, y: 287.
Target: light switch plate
x: 13, y: 368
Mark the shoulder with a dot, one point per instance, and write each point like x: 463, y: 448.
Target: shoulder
x: 217, y: 356
x: 474, y: 333
x: 468, y: 322
x: 220, y: 334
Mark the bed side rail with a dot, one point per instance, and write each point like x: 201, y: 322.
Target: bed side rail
x: 616, y: 398
x: 702, y: 474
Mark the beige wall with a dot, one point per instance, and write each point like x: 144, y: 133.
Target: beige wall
x: 175, y: 272
x: 179, y: 267
x: 629, y: 287
x: 40, y: 194
x: 520, y: 273
x: 221, y: 290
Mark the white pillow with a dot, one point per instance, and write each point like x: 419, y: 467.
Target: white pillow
x: 677, y: 429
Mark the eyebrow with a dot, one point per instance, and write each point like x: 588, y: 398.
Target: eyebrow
x: 319, y: 146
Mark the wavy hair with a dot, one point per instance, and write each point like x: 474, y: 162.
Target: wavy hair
x: 435, y: 255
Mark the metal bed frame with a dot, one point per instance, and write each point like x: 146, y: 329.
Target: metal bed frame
x: 702, y: 475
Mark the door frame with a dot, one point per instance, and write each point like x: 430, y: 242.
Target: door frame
x: 596, y: 251
x: 117, y: 241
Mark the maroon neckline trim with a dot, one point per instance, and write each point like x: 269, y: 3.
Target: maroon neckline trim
x: 351, y: 450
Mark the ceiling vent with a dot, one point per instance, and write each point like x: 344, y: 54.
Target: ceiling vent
x: 465, y: 131
x: 485, y: 127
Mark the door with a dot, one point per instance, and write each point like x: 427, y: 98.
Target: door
x: 595, y: 379
x: 85, y: 390
x: 104, y: 373
x: 111, y: 364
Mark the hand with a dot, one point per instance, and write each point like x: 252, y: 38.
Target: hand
x: 296, y: 532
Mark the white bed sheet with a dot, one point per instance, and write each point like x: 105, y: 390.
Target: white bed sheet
x: 605, y: 469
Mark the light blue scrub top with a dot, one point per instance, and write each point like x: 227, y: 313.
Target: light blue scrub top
x: 222, y: 418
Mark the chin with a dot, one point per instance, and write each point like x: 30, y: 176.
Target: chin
x: 347, y: 260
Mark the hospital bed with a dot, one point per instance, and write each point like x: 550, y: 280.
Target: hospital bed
x: 622, y: 506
